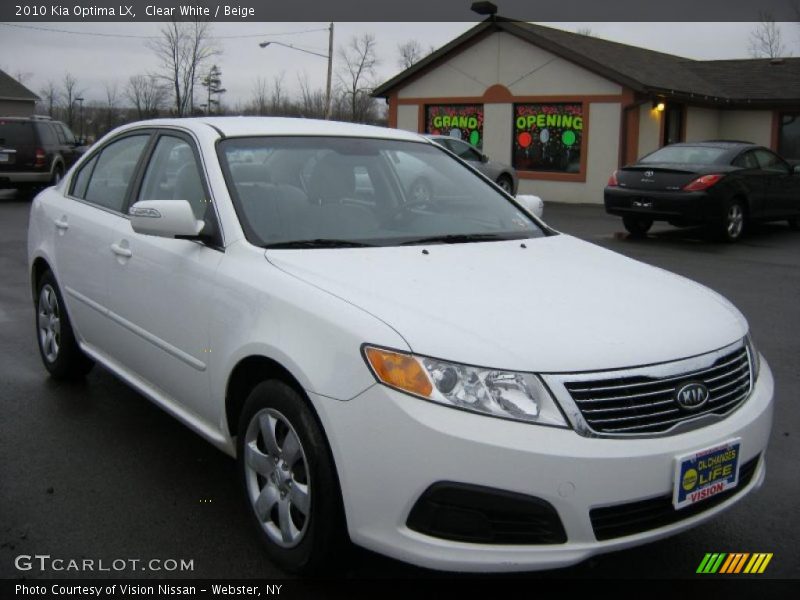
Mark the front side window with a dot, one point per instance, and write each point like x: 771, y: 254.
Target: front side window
x: 111, y: 172
x: 458, y: 121
x: 548, y: 137
x: 173, y: 174
x: 355, y: 191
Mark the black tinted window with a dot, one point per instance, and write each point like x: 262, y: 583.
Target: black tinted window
x: 770, y: 162
x: 746, y: 161
x: 47, y: 136
x: 114, y: 171
x: 691, y: 155
x: 16, y: 133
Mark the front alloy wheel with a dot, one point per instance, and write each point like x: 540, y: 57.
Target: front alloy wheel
x: 277, y: 477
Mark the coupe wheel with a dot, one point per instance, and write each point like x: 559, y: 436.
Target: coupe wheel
x: 637, y: 226
x: 505, y: 183
x: 60, y: 353
x: 290, y: 480
x: 732, y: 224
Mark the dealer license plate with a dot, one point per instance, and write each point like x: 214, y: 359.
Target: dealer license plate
x: 706, y: 473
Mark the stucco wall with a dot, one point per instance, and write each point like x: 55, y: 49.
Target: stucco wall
x: 604, y: 124
x: 747, y: 125
x: 649, y: 129
x: 702, y: 124
x: 16, y: 108
x: 497, y: 132
x: 507, y: 60
x: 408, y: 117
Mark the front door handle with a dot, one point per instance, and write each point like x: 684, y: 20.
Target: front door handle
x: 62, y: 224
x: 120, y: 251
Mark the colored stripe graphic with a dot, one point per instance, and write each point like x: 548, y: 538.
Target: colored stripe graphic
x: 733, y: 563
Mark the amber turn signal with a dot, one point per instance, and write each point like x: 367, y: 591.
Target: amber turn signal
x: 398, y: 370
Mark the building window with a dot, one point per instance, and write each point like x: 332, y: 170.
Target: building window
x: 789, y: 137
x: 548, y: 137
x: 673, y: 124
x: 461, y: 121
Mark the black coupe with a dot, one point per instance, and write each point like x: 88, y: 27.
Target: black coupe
x: 720, y: 184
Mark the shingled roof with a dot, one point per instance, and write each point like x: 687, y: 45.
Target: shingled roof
x: 11, y: 89
x: 728, y: 82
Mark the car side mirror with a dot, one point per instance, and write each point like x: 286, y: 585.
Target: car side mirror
x: 533, y: 204
x: 165, y: 218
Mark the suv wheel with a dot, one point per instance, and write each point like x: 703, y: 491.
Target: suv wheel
x: 60, y: 353
x: 58, y: 173
x: 637, y: 226
x: 290, y: 480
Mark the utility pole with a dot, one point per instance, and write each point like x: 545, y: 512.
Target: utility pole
x: 330, y: 74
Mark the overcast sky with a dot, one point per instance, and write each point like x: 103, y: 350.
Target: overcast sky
x: 42, y: 56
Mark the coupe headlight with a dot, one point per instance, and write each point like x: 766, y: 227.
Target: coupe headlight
x: 505, y: 394
x: 755, y: 357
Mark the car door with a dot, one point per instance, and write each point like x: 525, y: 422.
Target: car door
x: 161, y: 289
x: 84, y: 223
x: 754, y: 181
x: 782, y: 187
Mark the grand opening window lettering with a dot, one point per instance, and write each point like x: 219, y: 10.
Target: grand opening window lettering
x: 548, y: 137
x: 461, y: 121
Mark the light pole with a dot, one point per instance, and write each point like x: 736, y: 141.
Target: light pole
x: 80, y: 102
x: 329, y: 56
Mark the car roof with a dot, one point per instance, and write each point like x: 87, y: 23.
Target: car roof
x: 726, y: 144
x: 258, y: 126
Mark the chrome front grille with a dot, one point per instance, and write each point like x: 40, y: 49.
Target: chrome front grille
x: 645, y: 403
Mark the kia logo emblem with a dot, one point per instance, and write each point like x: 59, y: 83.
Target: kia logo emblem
x: 692, y: 395
x: 648, y: 173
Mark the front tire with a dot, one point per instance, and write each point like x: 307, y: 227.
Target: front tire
x: 59, y: 350
x: 637, y: 226
x: 289, y: 480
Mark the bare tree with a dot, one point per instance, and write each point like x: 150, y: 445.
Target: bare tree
x: 313, y: 100
x: 183, y: 48
x: 147, y: 95
x: 358, y: 60
x: 111, y: 107
x: 259, y: 96
x: 50, y: 96
x: 410, y: 52
x: 278, y: 100
x: 69, y: 93
x: 765, y: 39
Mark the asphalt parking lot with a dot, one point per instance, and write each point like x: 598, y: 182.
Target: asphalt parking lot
x: 93, y: 470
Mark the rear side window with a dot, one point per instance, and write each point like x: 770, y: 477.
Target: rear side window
x: 16, y: 133
x: 770, y: 162
x: 746, y: 161
x: 46, y: 134
x: 112, y: 172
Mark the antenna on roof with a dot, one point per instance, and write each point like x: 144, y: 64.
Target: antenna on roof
x: 484, y: 8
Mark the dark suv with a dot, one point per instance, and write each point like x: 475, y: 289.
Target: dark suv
x: 35, y: 152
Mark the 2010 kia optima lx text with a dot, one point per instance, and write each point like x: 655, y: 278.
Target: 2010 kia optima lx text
x: 446, y: 381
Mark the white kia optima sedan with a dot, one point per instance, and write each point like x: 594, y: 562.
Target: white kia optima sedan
x: 446, y: 381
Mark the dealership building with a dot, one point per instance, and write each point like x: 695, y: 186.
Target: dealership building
x: 15, y: 99
x: 566, y: 109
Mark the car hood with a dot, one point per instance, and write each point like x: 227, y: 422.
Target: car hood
x: 558, y: 304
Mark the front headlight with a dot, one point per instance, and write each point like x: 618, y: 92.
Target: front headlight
x: 755, y: 357
x: 505, y: 394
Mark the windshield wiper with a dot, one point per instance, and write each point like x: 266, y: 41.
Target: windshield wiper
x: 318, y: 243
x: 457, y: 238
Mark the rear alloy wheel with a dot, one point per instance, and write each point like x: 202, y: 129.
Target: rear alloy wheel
x: 290, y: 481
x: 504, y: 181
x: 637, y: 226
x: 733, y: 221
x: 60, y: 353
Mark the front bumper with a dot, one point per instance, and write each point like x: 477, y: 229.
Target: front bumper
x: 390, y: 447
x: 684, y: 207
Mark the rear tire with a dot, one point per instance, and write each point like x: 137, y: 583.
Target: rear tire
x: 637, y: 226
x: 58, y: 174
x: 59, y: 350
x: 505, y: 183
x: 289, y: 480
x: 732, y: 221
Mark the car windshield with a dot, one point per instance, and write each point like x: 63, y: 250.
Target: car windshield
x: 692, y: 155
x: 335, y: 191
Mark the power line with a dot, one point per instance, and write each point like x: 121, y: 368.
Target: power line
x: 150, y: 37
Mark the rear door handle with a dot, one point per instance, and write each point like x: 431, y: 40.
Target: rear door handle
x: 120, y: 251
x: 62, y: 223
